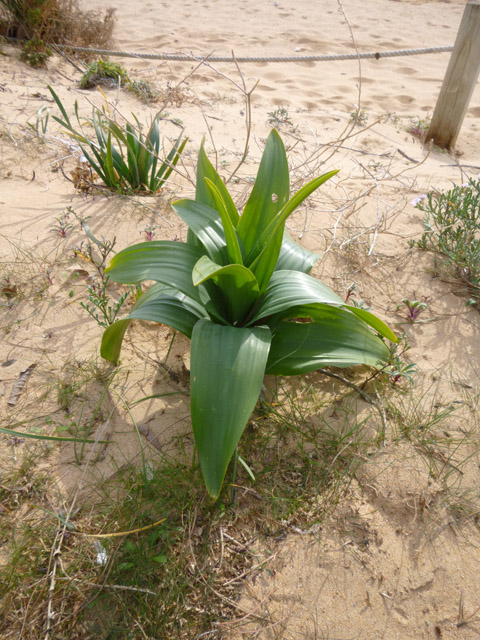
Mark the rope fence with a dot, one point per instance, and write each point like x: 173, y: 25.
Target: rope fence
x: 315, y: 58
x: 183, y: 57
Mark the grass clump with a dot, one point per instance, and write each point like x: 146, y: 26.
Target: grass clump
x: 452, y: 231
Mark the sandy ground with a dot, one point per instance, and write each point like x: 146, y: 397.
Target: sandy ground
x: 399, y: 557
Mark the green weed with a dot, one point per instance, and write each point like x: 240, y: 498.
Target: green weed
x: 452, y: 231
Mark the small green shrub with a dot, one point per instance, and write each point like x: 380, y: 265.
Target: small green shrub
x: 452, y: 230
x: 104, y: 72
x: 279, y: 116
x: 35, y: 52
x: 359, y: 117
x: 239, y: 289
x: 111, y: 73
x: 125, y: 159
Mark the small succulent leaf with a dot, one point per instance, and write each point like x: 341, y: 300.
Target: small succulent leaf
x: 206, y: 224
x: 269, y: 194
x: 336, y: 338
x: 278, y: 222
x: 294, y: 257
x: 377, y: 324
x: 203, y: 194
x: 164, y: 261
x: 227, y: 368
x: 290, y: 289
x: 112, y: 340
x: 237, y: 284
x: 231, y: 238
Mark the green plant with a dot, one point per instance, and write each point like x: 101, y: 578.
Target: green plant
x: 111, y: 73
x: 239, y: 288
x: 36, y: 52
x: 145, y: 91
x: 414, y: 308
x: 398, y: 369
x: 359, y: 117
x: 104, y: 246
x: 279, y: 116
x: 106, y: 72
x: 41, y: 122
x: 418, y: 127
x: 98, y: 301
x: 452, y: 223
x: 62, y: 227
x: 124, y: 158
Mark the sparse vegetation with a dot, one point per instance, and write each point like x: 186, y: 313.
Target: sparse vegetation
x: 359, y: 117
x: 418, y: 127
x: 279, y: 116
x: 106, y: 530
x: 44, y: 22
x: 104, y: 72
x: 452, y: 231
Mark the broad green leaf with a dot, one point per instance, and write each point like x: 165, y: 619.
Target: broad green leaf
x: 203, y: 194
x: 231, y: 238
x: 374, y: 322
x: 206, y: 224
x: 237, y: 284
x: 164, y: 261
x: 290, y: 289
x: 171, y: 311
x: 336, y: 338
x: 264, y: 266
x: 269, y: 194
x: 227, y: 368
x: 278, y: 222
x: 294, y: 257
x: 158, y: 304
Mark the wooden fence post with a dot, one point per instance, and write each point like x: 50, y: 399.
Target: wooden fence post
x: 459, y: 82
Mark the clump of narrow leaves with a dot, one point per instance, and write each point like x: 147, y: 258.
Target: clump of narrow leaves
x: 239, y: 288
x: 124, y: 158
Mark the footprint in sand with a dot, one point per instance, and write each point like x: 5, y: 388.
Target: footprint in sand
x: 405, y: 99
x: 408, y: 71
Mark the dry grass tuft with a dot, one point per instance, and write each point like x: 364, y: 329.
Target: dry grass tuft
x: 45, y: 22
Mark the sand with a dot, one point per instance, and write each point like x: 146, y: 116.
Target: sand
x: 394, y: 559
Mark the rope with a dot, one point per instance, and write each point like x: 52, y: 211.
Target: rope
x: 320, y: 58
